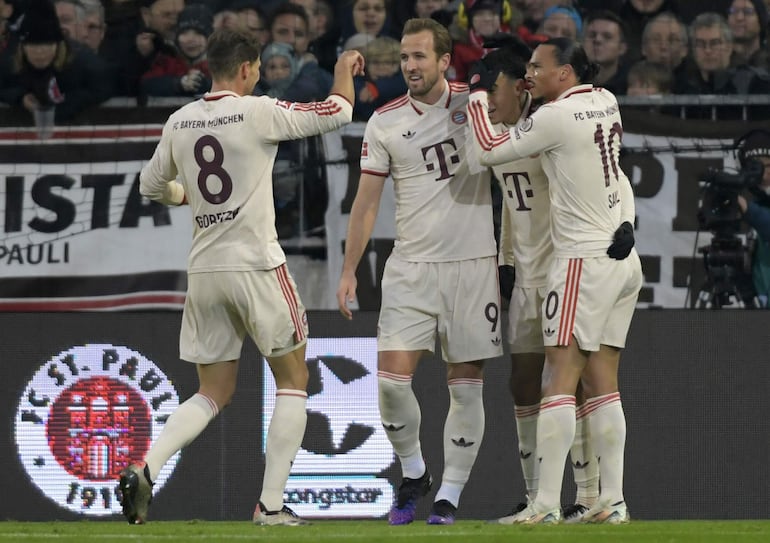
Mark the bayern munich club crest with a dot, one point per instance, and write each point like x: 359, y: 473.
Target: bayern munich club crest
x: 85, y: 415
x: 459, y: 117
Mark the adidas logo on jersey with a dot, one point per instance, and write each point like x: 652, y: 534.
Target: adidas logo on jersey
x: 548, y: 332
x: 409, y: 134
x: 495, y: 341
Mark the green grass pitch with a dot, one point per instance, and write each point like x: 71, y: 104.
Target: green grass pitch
x: 376, y: 531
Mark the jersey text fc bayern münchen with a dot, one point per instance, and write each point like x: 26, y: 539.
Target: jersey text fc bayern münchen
x: 221, y: 149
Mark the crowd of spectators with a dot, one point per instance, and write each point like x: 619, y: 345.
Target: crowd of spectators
x: 142, y: 48
x: 76, y: 54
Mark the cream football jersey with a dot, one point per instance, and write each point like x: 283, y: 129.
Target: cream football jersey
x: 525, y: 236
x: 578, y: 136
x: 221, y: 149
x: 443, y: 200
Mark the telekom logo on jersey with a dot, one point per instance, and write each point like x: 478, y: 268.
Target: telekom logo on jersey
x: 442, y: 157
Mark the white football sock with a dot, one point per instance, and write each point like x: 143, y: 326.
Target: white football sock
x: 526, y: 430
x: 400, y: 415
x: 182, y: 427
x: 284, y: 436
x: 608, y: 433
x: 555, y: 433
x: 463, y: 432
x: 585, y: 466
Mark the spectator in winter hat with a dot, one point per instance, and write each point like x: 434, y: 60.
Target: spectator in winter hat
x: 279, y: 69
x: 45, y: 70
x: 756, y: 212
x: 562, y: 22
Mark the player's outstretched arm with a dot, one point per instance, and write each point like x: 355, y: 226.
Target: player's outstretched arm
x: 349, y: 64
x: 492, y: 148
x: 363, y: 215
x: 488, y: 144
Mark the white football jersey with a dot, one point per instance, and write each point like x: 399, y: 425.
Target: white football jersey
x: 578, y: 135
x: 525, y: 233
x: 443, y: 199
x: 221, y: 149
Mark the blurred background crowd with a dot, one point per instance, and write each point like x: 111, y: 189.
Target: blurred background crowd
x: 77, y: 54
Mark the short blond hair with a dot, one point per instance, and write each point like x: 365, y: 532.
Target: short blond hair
x: 384, y: 47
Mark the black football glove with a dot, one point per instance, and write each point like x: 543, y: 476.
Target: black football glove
x: 480, y: 76
x: 623, y: 242
x: 507, y: 277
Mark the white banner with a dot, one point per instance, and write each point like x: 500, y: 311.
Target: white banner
x: 66, y: 229
x: 77, y: 234
x: 667, y: 186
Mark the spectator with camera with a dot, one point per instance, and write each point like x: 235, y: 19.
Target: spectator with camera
x: 142, y: 38
x: 756, y: 146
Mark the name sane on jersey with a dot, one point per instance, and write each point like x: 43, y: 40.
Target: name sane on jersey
x: 209, y: 219
x: 211, y: 123
x: 595, y: 114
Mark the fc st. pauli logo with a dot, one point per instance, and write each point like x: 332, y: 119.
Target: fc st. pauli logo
x: 85, y: 415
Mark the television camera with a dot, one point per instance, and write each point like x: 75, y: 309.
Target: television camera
x: 727, y: 259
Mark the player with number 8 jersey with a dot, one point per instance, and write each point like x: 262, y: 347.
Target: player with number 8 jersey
x: 216, y: 154
x: 221, y: 150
